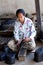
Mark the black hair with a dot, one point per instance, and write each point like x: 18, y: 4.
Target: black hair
x: 20, y: 11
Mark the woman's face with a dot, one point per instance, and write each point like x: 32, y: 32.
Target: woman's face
x: 21, y: 17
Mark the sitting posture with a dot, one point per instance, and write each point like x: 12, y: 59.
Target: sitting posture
x: 24, y: 30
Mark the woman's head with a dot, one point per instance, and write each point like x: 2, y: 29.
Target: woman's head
x: 20, y: 13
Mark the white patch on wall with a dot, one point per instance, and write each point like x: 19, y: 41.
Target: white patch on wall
x: 42, y: 23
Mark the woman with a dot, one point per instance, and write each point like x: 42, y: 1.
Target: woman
x: 24, y: 30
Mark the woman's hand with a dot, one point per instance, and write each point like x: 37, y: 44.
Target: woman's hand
x: 18, y: 43
x: 27, y: 39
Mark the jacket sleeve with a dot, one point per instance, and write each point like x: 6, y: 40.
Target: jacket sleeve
x: 16, y: 29
x: 32, y: 30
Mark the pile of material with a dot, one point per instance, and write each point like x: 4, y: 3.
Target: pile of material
x: 6, y: 54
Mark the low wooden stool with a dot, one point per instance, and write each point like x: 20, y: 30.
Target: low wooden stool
x: 22, y: 54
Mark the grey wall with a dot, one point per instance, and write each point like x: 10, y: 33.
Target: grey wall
x: 10, y: 6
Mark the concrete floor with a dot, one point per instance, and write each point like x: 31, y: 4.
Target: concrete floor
x: 29, y: 59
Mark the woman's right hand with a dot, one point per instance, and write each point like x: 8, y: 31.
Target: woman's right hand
x: 18, y: 43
